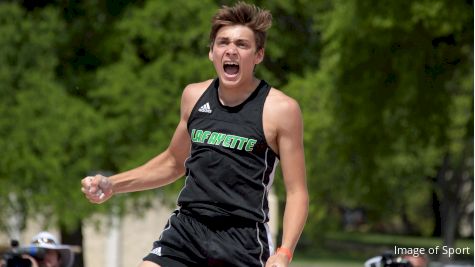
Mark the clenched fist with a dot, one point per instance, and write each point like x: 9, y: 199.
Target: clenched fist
x: 97, y: 188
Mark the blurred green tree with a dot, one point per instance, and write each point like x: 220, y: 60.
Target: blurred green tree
x: 389, y: 115
x: 46, y: 133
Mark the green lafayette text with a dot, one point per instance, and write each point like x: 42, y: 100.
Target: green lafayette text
x: 221, y: 139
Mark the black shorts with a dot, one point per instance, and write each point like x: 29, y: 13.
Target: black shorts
x: 189, y: 240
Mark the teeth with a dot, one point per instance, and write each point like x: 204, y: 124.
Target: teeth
x: 231, y: 63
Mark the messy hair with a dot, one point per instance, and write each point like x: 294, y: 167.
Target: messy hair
x: 257, y: 19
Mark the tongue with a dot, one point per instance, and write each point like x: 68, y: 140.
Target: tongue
x: 231, y: 69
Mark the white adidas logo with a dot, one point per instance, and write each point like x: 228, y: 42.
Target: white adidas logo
x: 205, y: 108
x: 157, y: 251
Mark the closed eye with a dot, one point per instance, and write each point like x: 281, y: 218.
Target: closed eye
x: 222, y: 42
x: 242, y: 44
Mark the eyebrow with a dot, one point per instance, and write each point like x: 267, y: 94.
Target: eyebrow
x: 228, y: 39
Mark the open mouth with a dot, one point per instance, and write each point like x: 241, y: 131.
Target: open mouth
x: 231, y: 68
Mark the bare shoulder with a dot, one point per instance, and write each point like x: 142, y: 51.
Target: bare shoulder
x: 195, y: 90
x: 282, y: 105
x: 281, y: 118
x: 191, y: 94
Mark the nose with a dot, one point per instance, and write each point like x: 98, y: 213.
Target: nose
x: 231, y: 50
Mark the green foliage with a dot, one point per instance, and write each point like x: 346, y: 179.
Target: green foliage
x: 392, y: 97
x: 26, y: 47
x: 45, y: 133
x: 294, y: 41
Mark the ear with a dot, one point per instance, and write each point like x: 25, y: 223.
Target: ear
x: 210, y: 54
x: 259, y: 56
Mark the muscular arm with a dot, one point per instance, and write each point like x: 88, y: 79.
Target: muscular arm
x: 165, y: 168
x: 290, y: 143
x: 159, y: 171
x: 285, y: 128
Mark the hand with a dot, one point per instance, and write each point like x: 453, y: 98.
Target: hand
x: 97, y: 188
x: 277, y: 260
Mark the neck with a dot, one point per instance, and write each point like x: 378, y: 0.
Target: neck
x: 233, y: 96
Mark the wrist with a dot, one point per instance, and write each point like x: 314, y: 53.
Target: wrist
x: 285, y: 251
x: 107, y: 184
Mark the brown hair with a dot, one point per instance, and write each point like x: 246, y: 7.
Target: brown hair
x: 257, y: 19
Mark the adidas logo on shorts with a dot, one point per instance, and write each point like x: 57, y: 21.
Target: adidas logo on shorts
x: 157, y: 251
x: 205, y: 108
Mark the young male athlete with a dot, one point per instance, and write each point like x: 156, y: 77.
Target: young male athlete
x: 232, y: 133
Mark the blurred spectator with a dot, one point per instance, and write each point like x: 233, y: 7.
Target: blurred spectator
x: 57, y: 255
x: 54, y: 254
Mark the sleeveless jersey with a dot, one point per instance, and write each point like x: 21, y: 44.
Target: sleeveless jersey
x: 231, y: 167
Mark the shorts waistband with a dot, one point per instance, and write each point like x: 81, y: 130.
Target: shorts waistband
x: 218, y: 221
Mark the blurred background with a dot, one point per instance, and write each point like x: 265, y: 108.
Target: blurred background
x: 386, y: 90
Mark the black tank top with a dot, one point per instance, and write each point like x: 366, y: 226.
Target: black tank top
x: 231, y: 167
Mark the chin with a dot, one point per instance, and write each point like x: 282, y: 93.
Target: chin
x: 230, y: 81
